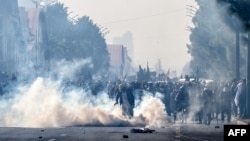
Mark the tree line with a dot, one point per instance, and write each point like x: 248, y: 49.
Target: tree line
x: 219, y: 38
x: 75, y: 39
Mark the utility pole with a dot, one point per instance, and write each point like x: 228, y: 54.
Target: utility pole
x: 248, y: 78
x: 237, y: 55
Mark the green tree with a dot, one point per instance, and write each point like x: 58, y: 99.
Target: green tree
x: 91, y: 39
x: 212, y: 44
x: 241, y: 8
x: 75, y: 40
x: 58, y: 31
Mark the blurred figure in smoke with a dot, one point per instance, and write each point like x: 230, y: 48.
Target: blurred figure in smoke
x: 233, y: 93
x: 225, y: 98
x: 195, y: 96
x: 173, y: 94
x: 182, y: 101
x: 207, y: 103
x: 111, y: 89
x: 240, y: 97
x: 97, y: 87
x: 125, y: 97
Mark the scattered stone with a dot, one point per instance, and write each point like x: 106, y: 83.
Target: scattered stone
x: 40, y: 137
x: 42, y: 130
x: 217, y: 126
x: 125, y: 136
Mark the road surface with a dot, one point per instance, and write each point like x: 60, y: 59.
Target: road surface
x: 173, y: 132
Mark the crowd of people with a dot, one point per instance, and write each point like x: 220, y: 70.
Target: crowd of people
x: 185, y: 98
x: 189, y: 98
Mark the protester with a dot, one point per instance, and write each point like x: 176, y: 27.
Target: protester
x: 125, y: 98
x: 240, y: 98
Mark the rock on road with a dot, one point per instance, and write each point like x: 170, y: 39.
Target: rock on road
x: 173, y: 132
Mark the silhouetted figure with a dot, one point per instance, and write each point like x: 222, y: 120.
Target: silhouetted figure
x: 225, y: 98
x: 125, y: 98
x: 207, y: 104
x: 240, y: 97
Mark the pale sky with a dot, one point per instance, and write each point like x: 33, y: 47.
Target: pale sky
x: 158, y: 27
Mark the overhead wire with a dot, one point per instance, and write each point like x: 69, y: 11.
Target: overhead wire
x: 142, y: 17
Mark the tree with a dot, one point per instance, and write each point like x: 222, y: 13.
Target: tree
x: 234, y: 24
x: 212, y: 43
x: 79, y: 40
x: 241, y: 9
x: 90, y: 37
x: 59, y: 31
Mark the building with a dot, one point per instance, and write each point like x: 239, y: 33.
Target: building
x: 23, y: 38
x: 120, y: 62
x: 35, y: 38
x: 10, y: 35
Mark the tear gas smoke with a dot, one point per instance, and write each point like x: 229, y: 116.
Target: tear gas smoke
x: 213, y: 35
x: 153, y: 110
x: 44, y: 103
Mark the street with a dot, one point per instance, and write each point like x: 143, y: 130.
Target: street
x: 173, y: 132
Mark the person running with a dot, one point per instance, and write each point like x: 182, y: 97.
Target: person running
x: 125, y: 97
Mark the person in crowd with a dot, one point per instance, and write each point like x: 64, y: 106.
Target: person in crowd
x: 173, y: 102
x: 207, y: 104
x: 233, y: 94
x: 240, y: 98
x: 182, y: 101
x: 125, y: 98
x: 111, y: 89
x: 225, y: 102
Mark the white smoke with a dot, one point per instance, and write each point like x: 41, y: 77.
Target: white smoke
x: 153, y: 110
x: 43, y: 103
x: 67, y: 69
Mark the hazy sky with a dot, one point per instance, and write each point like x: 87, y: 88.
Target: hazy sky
x: 151, y: 29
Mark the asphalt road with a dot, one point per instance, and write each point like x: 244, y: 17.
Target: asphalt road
x: 83, y: 134
x: 173, y: 132
x: 200, y: 132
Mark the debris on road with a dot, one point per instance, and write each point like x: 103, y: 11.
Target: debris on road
x: 125, y: 136
x: 40, y: 137
x: 142, y: 130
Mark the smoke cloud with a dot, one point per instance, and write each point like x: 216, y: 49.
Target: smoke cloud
x: 45, y: 103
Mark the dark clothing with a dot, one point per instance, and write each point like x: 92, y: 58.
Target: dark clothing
x: 207, y: 105
x: 182, y: 96
x: 126, y: 99
x: 129, y: 95
x: 225, y: 98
